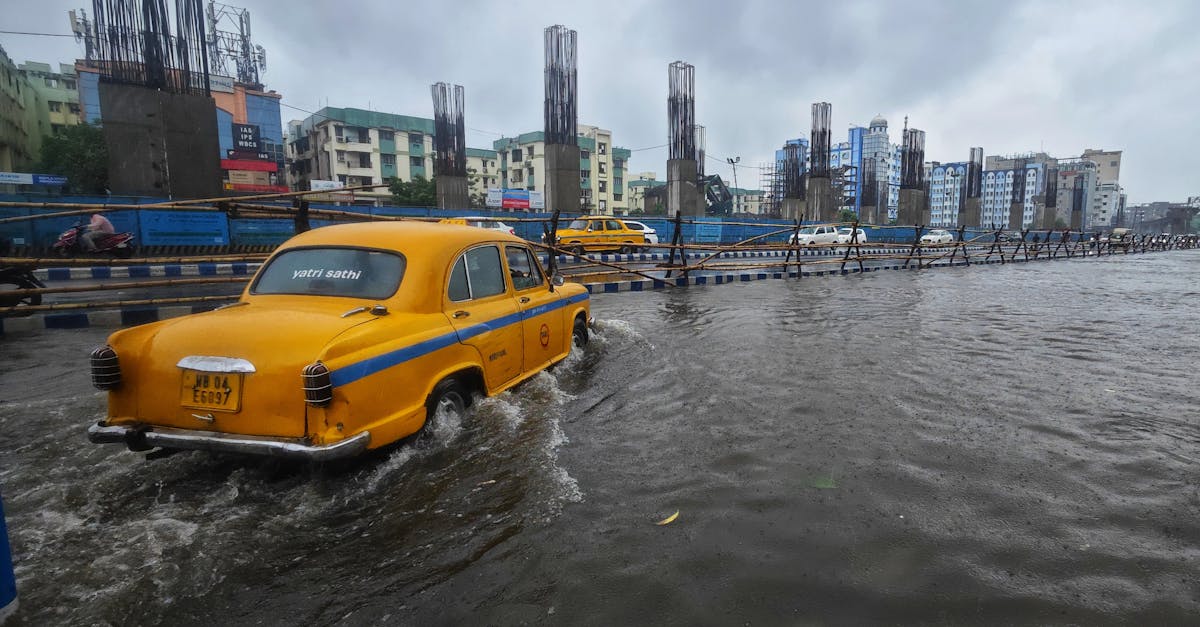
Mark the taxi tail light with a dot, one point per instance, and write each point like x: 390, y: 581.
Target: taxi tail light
x: 106, y: 369
x: 318, y: 387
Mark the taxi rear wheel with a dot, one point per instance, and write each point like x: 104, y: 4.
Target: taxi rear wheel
x: 579, y: 334
x: 447, y: 397
x: 626, y: 249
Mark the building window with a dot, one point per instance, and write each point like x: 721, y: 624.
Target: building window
x: 416, y: 138
x: 618, y: 197
x: 341, y: 156
x: 529, y: 152
x: 68, y: 84
x: 416, y: 162
x: 337, y: 131
x: 603, y: 204
x: 387, y: 159
x: 602, y: 148
x: 73, y: 108
x: 50, y: 82
x: 387, y: 136
x: 583, y: 154
x: 583, y: 174
x: 603, y: 168
x: 1113, y: 164
x: 55, y: 106
x: 618, y: 163
x: 516, y: 155
x: 603, y: 187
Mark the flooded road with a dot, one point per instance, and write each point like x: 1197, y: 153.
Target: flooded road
x: 1001, y: 444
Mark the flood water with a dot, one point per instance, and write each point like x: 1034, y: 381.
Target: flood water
x: 1000, y: 444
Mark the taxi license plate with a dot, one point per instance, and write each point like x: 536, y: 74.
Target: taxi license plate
x: 218, y: 391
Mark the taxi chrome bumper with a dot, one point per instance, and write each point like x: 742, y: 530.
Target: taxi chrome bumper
x: 145, y: 437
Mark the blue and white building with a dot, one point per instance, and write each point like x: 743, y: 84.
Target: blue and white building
x: 947, y: 192
x: 998, y: 190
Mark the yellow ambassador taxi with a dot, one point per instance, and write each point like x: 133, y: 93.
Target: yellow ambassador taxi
x: 348, y: 338
x: 599, y: 233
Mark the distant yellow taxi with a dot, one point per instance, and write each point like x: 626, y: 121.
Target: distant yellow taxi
x: 599, y: 233
x: 349, y: 338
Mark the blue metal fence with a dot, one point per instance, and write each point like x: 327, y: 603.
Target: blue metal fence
x: 159, y: 227
x: 8, y: 580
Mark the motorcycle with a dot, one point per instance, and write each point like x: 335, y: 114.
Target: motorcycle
x: 71, y: 242
x: 17, y: 278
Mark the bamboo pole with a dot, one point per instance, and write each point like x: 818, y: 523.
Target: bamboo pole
x: 26, y: 309
x: 56, y: 262
x: 103, y: 287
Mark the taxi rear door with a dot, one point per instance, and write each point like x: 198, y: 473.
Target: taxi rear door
x: 481, y: 307
x: 545, y: 330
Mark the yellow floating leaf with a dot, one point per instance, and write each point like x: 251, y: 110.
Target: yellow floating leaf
x: 668, y: 520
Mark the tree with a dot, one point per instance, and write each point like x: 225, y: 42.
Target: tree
x: 79, y: 153
x: 415, y: 193
x: 1059, y: 223
x: 847, y: 215
x: 476, y: 200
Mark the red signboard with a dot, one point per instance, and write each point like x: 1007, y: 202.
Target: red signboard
x: 246, y: 187
x: 244, y: 164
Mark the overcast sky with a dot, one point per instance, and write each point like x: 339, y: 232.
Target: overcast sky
x: 1010, y: 76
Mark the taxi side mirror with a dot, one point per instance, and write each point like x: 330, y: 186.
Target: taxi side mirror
x: 557, y: 280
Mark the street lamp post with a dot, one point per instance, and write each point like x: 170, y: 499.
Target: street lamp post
x: 733, y: 161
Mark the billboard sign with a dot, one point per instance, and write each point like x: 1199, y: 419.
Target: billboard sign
x: 516, y: 199
x: 246, y: 138
x: 320, y: 186
x: 25, y: 178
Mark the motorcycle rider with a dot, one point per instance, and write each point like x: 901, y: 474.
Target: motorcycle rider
x: 98, y: 227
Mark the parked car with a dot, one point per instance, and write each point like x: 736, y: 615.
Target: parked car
x: 650, y: 234
x: 480, y: 223
x: 349, y: 338
x: 813, y: 235
x: 598, y: 234
x: 845, y: 234
x: 937, y: 236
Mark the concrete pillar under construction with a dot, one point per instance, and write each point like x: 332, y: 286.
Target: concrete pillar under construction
x: 793, y: 209
x: 972, y: 213
x: 683, y: 192
x: 1016, y: 216
x: 821, y: 204
x: 1077, y: 220
x: 452, y: 192
x: 912, y: 208
x: 1045, y: 217
x: 562, y: 178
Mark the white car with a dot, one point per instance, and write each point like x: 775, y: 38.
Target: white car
x: 480, y: 222
x: 844, y: 234
x: 812, y: 235
x: 650, y: 234
x: 937, y: 236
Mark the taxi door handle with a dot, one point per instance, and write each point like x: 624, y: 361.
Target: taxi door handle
x: 461, y: 314
x: 524, y: 299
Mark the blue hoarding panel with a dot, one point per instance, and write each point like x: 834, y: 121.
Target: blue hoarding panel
x: 183, y: 228
x: 260, y: 232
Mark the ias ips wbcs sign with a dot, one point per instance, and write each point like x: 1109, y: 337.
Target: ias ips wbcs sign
x: 246, y: 138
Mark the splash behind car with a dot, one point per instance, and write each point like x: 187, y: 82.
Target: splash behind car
x: 349, y: 338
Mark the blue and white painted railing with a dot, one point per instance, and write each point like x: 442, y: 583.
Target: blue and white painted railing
x: 146, y: 271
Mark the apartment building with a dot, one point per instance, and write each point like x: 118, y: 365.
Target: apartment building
x: 602, y: 167
x: 59, y: 91
x: 359, y: 147
x: 483, y: 172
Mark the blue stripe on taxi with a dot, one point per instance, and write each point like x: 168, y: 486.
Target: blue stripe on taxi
x: 367, y: 367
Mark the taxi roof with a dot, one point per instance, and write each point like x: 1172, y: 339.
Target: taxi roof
x: 399, y: 235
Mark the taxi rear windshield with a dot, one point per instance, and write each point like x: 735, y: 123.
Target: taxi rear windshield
x: 348, y: 272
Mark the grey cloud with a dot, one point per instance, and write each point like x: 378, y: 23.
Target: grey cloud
x: 1010, y: 76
